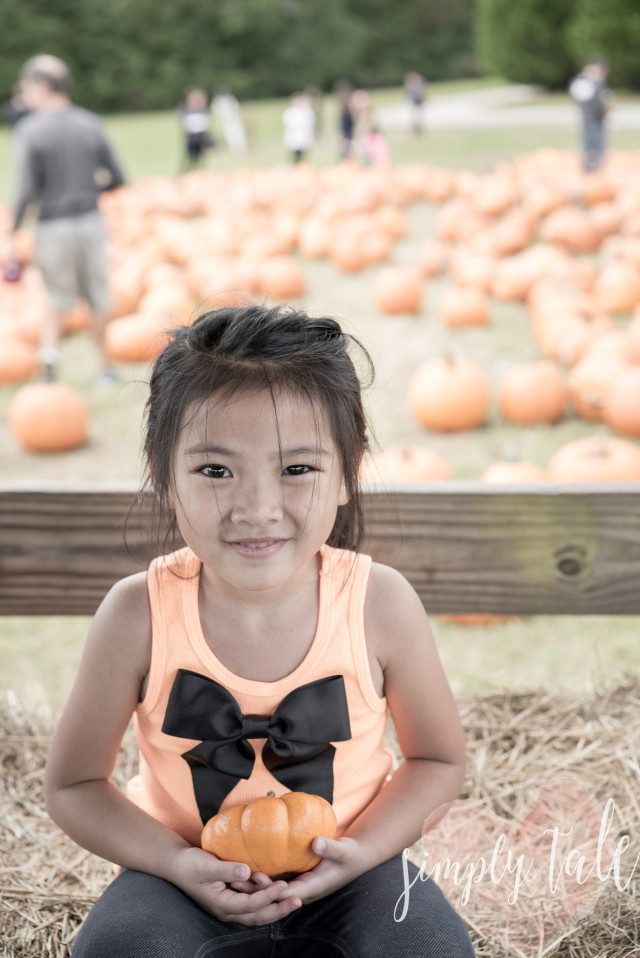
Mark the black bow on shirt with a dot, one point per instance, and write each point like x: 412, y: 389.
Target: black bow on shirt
x: 297, y: 751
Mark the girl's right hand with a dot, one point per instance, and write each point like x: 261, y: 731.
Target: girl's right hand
x: 206, y: 879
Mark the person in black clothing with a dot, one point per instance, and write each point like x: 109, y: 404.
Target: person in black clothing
x: 194, y: 115
x: 589, y: 91
x: 346, y: 119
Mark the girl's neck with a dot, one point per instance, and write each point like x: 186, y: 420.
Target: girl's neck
x: 265, y: 635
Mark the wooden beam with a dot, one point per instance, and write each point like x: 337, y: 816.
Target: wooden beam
x: 466, y: 547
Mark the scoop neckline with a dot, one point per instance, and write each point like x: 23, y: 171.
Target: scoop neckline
x: 255, y: 686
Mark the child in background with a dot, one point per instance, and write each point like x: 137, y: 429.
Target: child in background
x: 254, y: 436
x: 377, y: 151
x: 194, y: 116
x: 299, y: 122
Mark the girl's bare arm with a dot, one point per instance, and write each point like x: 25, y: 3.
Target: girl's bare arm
x: 429, y: 734
x: 94, y: 812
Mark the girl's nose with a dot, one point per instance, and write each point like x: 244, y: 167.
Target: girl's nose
x: 257, y: 503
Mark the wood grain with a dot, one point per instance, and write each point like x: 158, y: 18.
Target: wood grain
x: 466, y: 547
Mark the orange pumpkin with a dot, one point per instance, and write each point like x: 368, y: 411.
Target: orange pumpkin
x: 282, y: 277
x: 513, y: 471
x: 617, y: 287
x: 622, y: 404
x: 18, y: 360
x: 271, y: 835
x: 397, y: 290
x: 406, y: 464
x: 314, y: 237
x: 464, y: 306
x: 571, y: 228
x: 471, y: 267
x: 595, y: 459
x: 173, y: 303
x: 532, y: 393
x: 433, y: 258
x: 138, y: 338
x: 346, y: 252
x: 590, y: 382
x: 449, y: 393
x: 392, y: 219
x: 48, y: 417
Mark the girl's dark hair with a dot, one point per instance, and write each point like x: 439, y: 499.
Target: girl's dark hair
x: 247, y: 348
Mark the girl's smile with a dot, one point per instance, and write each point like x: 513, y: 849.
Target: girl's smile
x: 257, y: 548
x: 257, y: 484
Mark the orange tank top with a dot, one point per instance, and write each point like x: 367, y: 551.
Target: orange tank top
x: 208, y: 738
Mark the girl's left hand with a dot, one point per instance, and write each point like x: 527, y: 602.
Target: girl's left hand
x: 338, y: 867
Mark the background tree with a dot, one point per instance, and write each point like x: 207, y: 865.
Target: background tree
x: 613, y: 30
x: 525, y: 42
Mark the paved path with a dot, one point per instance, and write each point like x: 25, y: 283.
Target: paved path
x: 496, y: 107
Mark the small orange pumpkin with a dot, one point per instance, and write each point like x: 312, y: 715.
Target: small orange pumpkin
x: 138, y: 338
x: 397, y: 290
x: 464, y: 306
x: 595, y: 459
x: 622, y: 404
x: 449, y: 393
x: 513, y: 471
x: 271, y: 835
x: 18, y: 360
x: 617, y: 287
x: 406, y: 464
x: 591, y: 380
x: 433, y: 258
x: 48, y: 417
x: 534, y: 392
x: 282, y: 277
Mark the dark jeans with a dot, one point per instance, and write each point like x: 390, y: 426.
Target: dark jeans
x: 593, y: 146
x: 140, y: 916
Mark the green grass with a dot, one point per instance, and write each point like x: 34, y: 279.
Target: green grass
x: 39, y: 656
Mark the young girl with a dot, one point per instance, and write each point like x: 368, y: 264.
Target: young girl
x: 266, y: 624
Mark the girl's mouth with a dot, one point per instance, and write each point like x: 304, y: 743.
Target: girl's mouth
x: 257, y: 548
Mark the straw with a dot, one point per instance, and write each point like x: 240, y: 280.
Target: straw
x: 534, y: 758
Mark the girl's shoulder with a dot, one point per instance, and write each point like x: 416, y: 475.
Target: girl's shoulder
x: 127, y: 600
x: 386, y: 583
x: 394, y: 615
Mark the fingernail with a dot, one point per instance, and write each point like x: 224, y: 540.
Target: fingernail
x: 243, y: 872
x: 320, y: 845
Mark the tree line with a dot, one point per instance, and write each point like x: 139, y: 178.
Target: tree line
x: 143, y: 55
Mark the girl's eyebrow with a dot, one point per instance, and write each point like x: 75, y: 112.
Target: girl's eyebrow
x: 205, y: 449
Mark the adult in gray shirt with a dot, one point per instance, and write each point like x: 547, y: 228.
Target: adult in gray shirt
x: 65, y: 162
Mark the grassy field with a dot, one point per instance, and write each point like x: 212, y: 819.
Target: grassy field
x: 38, y: 656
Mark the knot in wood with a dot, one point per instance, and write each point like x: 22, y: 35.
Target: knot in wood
x: 571, y: 561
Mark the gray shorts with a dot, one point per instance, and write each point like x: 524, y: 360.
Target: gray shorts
x: 70, y: 253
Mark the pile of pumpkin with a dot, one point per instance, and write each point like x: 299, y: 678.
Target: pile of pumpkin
x: 566, y: 245
x: 534, y: 230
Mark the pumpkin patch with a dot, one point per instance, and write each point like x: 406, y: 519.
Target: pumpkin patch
x: 534, y: 238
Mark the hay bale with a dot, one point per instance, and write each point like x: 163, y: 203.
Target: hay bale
x: 517, y: 742
x: 47, y: 883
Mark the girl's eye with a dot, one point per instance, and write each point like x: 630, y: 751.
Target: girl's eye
x: 213, y: 471
x: 297, y: 470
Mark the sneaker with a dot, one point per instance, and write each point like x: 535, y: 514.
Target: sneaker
x: 50, y: 360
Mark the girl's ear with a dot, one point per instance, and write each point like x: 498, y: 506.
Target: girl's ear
x: 343, y: 497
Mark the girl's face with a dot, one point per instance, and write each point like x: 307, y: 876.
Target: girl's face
x: 256, y: 489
